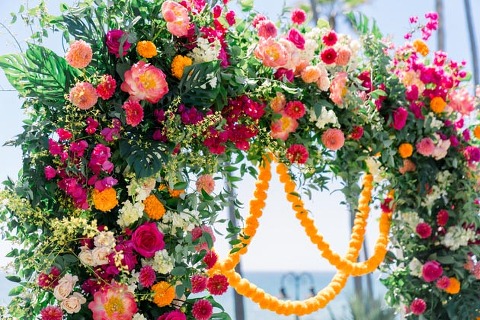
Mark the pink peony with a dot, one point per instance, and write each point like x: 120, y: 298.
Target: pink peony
x: 147, y: 239
x: 145, y: 82
x: 298, y: 16
x: 51, y: 313
x: 400, y: 118
x: 333, y: 139
x: 297, y: 153
x: 425, y: 147
x: 266, y: 29
x: 423, y: 230
x: 134, y: 112
x: 431, y: 271
x: 79, y: 54
x: 173, y: 315
x: 176, y: 15
x: 202, y: 309
x: 282, y: 127
x: 272, y: 53
x: 113, y: 302
x: 418, y: 306
x: 337, y: 88
x: 113, y: 40
x: 206, y: 183
x: 83, y: 95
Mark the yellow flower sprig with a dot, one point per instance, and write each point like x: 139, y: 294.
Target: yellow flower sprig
x: 345, y: 266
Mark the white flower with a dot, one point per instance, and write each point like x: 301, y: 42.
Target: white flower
x: 411, y: 219
x: 457, y: 236
x: 86, y: 257
x: 64, y: 287
x: 441, y: 149
x: 140, y: 189
x: 100, y: 255
x: 138, y: 316
x: 73, y: 303
x: 325, y: 117
x: 415, y: 267
x: 435, y: 193
x: 162, y: 262
x: 374, y: 167
x: 130, y: 213
x: 205, y: 51
x: 104, y: 239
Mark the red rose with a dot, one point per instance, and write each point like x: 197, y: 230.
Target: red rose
x: 147, y: 240
x: 113, y: 39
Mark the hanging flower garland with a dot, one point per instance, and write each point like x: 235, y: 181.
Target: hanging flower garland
x: 345, y: 266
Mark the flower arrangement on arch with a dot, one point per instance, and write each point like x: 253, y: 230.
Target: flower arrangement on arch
x: 131, y: 127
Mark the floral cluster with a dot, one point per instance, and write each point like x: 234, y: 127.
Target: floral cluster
x: 134, y: 123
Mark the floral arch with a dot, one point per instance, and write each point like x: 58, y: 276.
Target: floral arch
x: 152, y: 102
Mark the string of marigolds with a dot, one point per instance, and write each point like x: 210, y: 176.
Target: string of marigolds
x: 345, y: 266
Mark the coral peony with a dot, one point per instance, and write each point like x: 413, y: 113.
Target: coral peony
x: 145, y: 82
x: 282, y: 127
x: 79, y: 55
x: 338, y: 88
x: 271, y: 53
x: 333, y: 139
x: 176, y: 15
x: 113, y: 302
x: 83, y: 95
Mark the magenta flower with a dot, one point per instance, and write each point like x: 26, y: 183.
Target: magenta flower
x: 113, y: 41
x: 418, y: 306
x: 202, y: 309
x: 173, y: 315
x: 50, y: 172
x: 147, y: 240
x: 423, y: 230
x: 147, y: 276
x: 298, y: 16
x: 431, y: 271
x: 199, y: 283
x: 400, y: 118
x: 296, y: 38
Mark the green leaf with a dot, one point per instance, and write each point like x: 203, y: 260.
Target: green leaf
x: 145, y: 162
x: 13, y: 278
x: 16, y: 291
x: 179, y: 271
x: 180, y: 185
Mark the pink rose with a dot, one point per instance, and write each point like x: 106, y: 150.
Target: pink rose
x: 431, y: 271
x: 145, y: 82
x: 113, y: 40
x: 296, y: 38
x: 147, y: 240
x: 400, y: 118
x: 176, y: 15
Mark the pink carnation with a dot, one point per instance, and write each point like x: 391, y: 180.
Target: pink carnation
x: 83, y: 95
x: 202, y: 309
x: 431, y: 271
x: 205, y: 182
x: 210, y: 259
x: 295, y: 109
x: 443, y: 283
x: 134, y: 112
x: 176, y: 15
x: 418, y: 306
x: 442, y: 217
x: 298, y: 16
x: 425, y: 147
x: 333, y: 139
x: 79, y: 54
x: 51, y: 313
x: 145, y: 82
x: 49, y: 172
x: 330, y: 38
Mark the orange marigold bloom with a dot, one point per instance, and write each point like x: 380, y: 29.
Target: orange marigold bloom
x: 421, y: 47
x: 476, y: 132
x: 146, y: 49
x: 174, y: 193
x: 454, y: 286
x: 178, y: 65
x: 405, y: 150
x: 105, y: 200
x: 163, y: 293
x: 153, y: 207
x: 437, y: 104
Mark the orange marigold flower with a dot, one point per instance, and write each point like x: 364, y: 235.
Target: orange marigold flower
x: 175, y: 193
x: 153, y: 207
x: 476, y: 132
x: 405, y: 150
x: 163, y: 293
x: 105, y: 200
x: 178, y: 65
x: 421, y: 47
x: 146, y: 49
x: 454, y: 286
x: 437, y: 104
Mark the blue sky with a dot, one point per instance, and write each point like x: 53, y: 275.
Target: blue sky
x: 280, y: 243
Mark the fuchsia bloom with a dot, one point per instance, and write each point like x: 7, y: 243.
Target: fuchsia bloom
x: 333, y: 139
x: 147, y: 240
x: 51, y: 313
x: 145, y: 82
x: 400, y: 118
x: 418, y: 306
x: 83, y: 95
x: 176, y: 15
x: 147, y: 276
x: 202, y: 309
x: 50, y: 172
x: 199, y: 283
x: 134, y: 112
x: 64, y: 134
x: 173, y: 315
x: 113, y: 302
x: 106, y: 87
x: 266, y: 29
x: 113, y: 41
x: 79, y: 54
x: 297, y: 153
x: 431, y: 271
x: 217, y: 284
x: 423, y: 230
x: 92, y: 125
x: 50, y: 279
x: 295, y: 37
x: 298, y: 16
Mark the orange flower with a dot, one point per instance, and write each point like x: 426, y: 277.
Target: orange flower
x: 437, y: 104
x: 105, y: 200
x: 405, y: 150
x: 476, y: 132
x: 454, y: 286
x: 153, y: 207
x: 178, y: 65
x: 79, y: 55
x: 311, y: 74
x: 408, y: 166
x: 83, y: 95
x: 174, y: 193
x: 146, y: 49
x: 278, y: 103
x: 333, y: 139
x: 421, y: 47
x: 163, y: 293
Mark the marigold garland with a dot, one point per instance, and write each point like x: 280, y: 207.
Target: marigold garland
x: 345, y: 266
